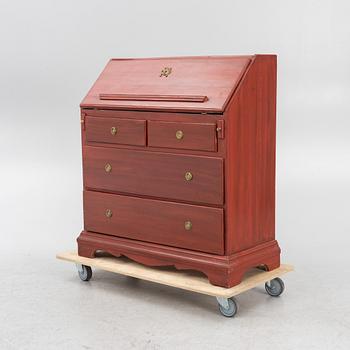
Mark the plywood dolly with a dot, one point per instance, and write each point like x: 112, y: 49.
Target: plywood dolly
x: 187, y: 280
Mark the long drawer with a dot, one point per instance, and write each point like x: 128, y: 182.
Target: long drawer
x: 174, y: 224
x: 169, y: 176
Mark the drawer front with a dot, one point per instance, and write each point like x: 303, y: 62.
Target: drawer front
x: 179, y: 225
x: 195, y: 136
x: 115, y: 130
x: 182, y: 177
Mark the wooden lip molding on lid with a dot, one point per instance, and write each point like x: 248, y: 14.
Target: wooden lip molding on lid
x: 135, y: 97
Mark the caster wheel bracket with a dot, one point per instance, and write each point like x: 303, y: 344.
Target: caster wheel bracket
x: 80, y: 268
x: 223, y: 302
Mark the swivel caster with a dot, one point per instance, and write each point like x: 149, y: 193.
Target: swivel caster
x: 84, y: 272
x: 228, y: 307
x: 274, y: 287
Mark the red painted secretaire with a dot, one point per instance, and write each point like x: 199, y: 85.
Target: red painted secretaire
x: 179, y: 164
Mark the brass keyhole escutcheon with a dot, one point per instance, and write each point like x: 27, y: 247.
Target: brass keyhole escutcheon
x: 179, y: 134
x: 188, y: 225
x: 165, y: 72
x: 114, y: 130
x: 108, y: 168
x: 109, y: 213
x: 188, y: 176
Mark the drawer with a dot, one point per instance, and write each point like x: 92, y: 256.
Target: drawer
x: 181, y: 177
x: 174, y: 224
x: 115, y: 130
x: 195, y: 136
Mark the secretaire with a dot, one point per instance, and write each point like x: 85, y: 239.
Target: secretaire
x: 179, y: 164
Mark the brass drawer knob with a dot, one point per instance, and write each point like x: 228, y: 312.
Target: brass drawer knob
x: 188, y: 176
x: 109, y: 213
x: 188, y: 225
x: 108, y: 168
x: 179, y: 134
x: 113, y: 130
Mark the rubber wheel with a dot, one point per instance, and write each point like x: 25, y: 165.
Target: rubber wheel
x: 85, y: 274
x: 275, y: 287
x: 231, y: 310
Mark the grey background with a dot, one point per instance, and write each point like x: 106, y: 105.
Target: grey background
x: 51, y: 53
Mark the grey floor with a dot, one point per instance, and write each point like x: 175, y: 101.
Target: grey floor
x: 43, y: 305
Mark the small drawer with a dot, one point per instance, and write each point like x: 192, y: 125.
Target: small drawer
x: 195, y: 136
x: 173, y: 224
x: 115, y: 130
x: 170, y: 176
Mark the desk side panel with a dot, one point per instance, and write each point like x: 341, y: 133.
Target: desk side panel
x: 250, y: 170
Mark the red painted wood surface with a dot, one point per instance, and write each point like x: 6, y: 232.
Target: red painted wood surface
x: 155, y: 221
x: 236, y: 178
x: 167, y: 98
x: 159, y: 116
x: 128, y: 131
x: 250, y: 170
x: 225, y: 271
x: 199, y: 136
x: 215, y: 77
x: 154, y: 174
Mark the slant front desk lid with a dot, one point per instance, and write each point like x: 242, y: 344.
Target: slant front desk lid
x: 177, y: 83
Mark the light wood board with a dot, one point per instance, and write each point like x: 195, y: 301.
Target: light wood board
x: 188, y: 280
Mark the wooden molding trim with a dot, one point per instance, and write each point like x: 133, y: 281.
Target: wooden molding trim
x: 168, y: 98
x: 224, y: 271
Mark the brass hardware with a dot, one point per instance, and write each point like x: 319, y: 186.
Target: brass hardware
x: 82, y: 121
x: 108, y: 168
x: 179, y: 134
x: 109, y: 213
x: 113, y: 130
x: 188, y: 176
x: 220, y: 129
x: 165, y: 72
x: 188, y: 225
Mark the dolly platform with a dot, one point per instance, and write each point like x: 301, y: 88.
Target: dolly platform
x: 188, y: 280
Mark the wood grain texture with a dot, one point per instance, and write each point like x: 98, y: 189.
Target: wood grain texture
x: 168, y: 98
x: 215, y: 77
x: 155, y: 221
x: 154, y: 174
x: 238, y: 175
x: 199, y: 136
x: 250, y: 170
x: 224, y: 271
x: 161, y: 117
x: 187, y: 280
x: 128, y: 131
